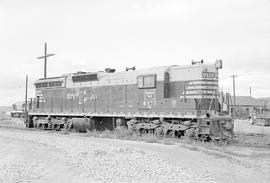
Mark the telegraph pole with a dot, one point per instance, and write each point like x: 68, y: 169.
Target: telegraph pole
x: 234, y: 76
x: 26, y: 88
x: 250, y: 91
x: 45, y: 59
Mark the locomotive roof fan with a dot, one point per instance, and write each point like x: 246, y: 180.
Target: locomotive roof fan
x: 110, y: 70
x: 131, y: 68
x: 196, y: 62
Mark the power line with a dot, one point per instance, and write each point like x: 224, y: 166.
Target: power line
x: 26, y: 87
x: 247, y: 75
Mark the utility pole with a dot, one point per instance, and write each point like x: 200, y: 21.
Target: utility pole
x: 234, y: 76
x: 26, y: 88
x: 45, y: 59
x: 250, y: 91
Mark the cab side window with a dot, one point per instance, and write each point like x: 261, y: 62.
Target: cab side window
x: 146, y: 81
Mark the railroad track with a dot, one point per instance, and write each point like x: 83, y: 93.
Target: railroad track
x: 231, y: 144
x: 251, y: 146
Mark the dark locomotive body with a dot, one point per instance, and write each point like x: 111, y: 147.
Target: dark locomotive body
x: 179, y: 97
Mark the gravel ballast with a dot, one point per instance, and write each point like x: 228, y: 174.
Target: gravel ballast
x: 101, y: 162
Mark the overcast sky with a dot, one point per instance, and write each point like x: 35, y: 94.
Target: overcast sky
x: 89, y: 35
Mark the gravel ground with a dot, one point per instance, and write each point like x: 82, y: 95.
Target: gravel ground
x: 45, y: 156
x: 99, y: 162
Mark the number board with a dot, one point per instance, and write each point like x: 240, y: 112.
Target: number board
x: 208, y: 75
x: 149, y: 98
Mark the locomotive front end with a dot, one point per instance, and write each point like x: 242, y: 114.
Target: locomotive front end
x: 216, y: 122
x: 216, y: 128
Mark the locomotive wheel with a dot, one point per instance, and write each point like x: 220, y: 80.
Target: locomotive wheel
x: 39, y: 125
x: 208, y: 139
x: 66, y: 127
x: 158, y: 131
x: 142, y: 131
x: 263, y: 122
x: 180, y: 134
x: 57, y: 127
x: 220, y: 141
x: 50, y: 126
x: 42, y: 126
x: 170, y: 133
x: 153, y: 131
x: 205, y: 138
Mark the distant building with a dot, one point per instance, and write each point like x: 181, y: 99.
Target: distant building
x: 5, y: 108
x: 266, y: 103
x: 18, y: 106
x: 246, y: 105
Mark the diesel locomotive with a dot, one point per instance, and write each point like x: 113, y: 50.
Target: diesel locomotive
x: 168, y: 100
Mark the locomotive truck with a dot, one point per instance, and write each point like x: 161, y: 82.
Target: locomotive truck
x: 167, y: 100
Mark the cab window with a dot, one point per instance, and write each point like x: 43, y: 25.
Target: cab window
x: 147, y: 81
